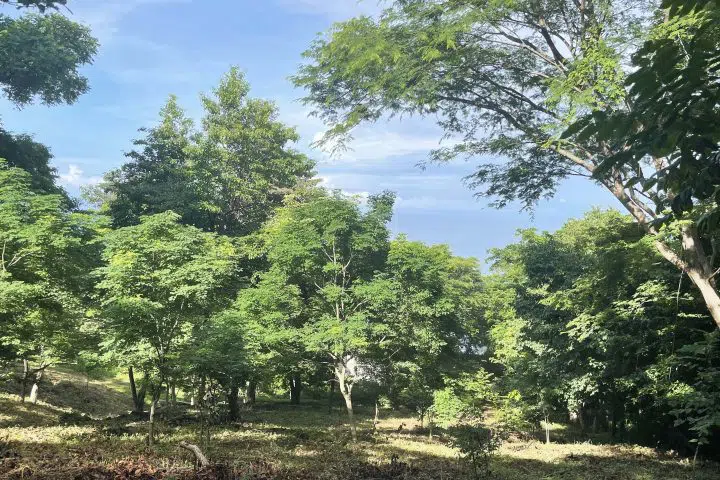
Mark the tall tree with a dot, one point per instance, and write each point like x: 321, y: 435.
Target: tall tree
x: 160, y: 280
x: 45, y: 253
x: 228, y: 177
x: 323, y: 246
x: 429, y: 306
x: 585, y: 326
x: 157, y: 176
x: 22, y: 151
x: 505, y: 78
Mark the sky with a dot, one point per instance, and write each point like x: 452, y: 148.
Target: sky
x: 153, y: 48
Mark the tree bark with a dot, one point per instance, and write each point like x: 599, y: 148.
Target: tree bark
x: 251, y: 392
x: 199, y: 456
x: 345, y: 371
x: 547, y: 430
x: 25, y: 378
x: 351, y: 415
x: 376, y: 420
x: 233, y: 403
x: 153, y: 405
x: 295, y: 389
x: 133, y: 391
x: 35, y: 387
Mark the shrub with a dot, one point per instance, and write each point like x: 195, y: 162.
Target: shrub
x: 477, y: 445
x: 447, y: 408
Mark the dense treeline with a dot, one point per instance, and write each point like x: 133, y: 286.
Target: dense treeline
x: 212, y: 266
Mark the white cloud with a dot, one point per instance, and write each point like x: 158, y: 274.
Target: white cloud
x: 330, y: 183
x: 75, y: 177
x: 373, y: 144
x: 104, y: 16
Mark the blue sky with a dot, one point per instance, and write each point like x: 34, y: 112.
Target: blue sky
x: 152, y: 48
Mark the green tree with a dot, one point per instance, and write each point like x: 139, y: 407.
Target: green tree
x: 160, y: 280
x: 23, y: 152
x: 585, y: 326
x: 45, y: 253
x: 328, y: 250
x: 41, y: 56
x: 504, y: 78
x: 228, y: 177
x: 158, y: 175
x: 431, y: 315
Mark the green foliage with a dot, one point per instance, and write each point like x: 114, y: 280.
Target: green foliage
x: 697, y: 405
x: 584, y: 321
x: 21, y: 151
x: 41, y: 5
x: 476, y: 445
x: 226, y: 177
x: 505, y: 77
x: 672, y: 123
x: 46, y: 253
x: 448, y: 409
x: 40, y: 57
x: 160, y: 280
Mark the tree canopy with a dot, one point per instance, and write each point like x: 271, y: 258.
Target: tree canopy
x: 509, y: 79
x: 41, y: 57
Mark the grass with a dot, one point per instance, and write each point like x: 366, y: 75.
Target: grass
x: 54, y: 440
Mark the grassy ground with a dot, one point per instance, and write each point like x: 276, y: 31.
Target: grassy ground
x: 52, y: 440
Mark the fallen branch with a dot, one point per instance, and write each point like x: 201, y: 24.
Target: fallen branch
x: 201, y: 459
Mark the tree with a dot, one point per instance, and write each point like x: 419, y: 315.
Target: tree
x: 428, y: 303
x: 21, y: 151
x: 41, y: 5
x: 505, y: 78
x: 157, y: 176
x: 45, y: 252
x: 584, y: 326
x: 41, y: 55
x: 228, y: 177
x: 160, y: 280
x: 322, y: 246
x: 672, y: 114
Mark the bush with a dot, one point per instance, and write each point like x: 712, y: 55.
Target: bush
x: 477, y: 445
x: 514, y: 415
x: 447, y: 408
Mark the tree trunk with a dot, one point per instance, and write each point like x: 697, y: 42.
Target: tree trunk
x: 200, y: 458
x: 233, y: 403
x: 173, y: 394
x: 697, y: 267
x: 348, y: 404
x: 25, y: 378
x: 35, y: 387
x: 201, y: 392
x: 295, y: 389
x: 708, y: 292
x: 547, y: 430
x: 153, y: 405
x: 430, y: 425
x: 251, y: 392
x: 134, y: 393
x: 376, y: 420
x: 345, y: 372
x: 595, y: 422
